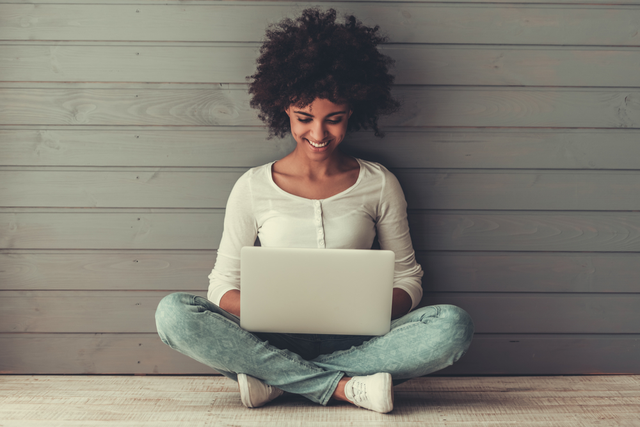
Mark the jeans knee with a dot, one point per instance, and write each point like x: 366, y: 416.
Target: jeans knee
x: 168, y: 312
x: 460, y: 322
x: 171, y: 303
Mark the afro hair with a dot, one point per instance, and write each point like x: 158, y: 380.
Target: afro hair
x: 315, y: 57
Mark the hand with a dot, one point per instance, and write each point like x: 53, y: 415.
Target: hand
x: 230, y: 302
x: 401, y: 304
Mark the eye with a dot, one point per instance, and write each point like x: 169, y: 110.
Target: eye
x: 334, y: 122
x: 304, y: 120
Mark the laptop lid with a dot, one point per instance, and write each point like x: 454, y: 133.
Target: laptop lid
x: 316, y: 291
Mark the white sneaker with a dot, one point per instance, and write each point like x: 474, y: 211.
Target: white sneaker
x: 374, y: 392
x: 254, y: 393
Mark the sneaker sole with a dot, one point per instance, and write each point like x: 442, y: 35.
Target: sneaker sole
x: 243, y: 383
x: 388, y: 384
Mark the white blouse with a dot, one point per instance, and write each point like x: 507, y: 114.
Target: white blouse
x: 257, y: 207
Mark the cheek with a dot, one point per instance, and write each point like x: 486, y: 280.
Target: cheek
x: 340, y: 129
x: 296, y: 129
x: 297, y: 126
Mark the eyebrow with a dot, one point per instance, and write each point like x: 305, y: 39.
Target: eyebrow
x: 328, y: 115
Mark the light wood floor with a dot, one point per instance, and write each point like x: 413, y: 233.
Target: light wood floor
x: 69, y: 401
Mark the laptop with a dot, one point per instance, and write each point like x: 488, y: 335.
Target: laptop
x: 316, y: 291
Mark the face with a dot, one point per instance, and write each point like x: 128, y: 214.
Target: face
x: 319, y: 127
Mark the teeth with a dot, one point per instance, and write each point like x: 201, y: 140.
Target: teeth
x: 315, y: 144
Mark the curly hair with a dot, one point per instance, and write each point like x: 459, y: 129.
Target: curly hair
x: 315, y: 57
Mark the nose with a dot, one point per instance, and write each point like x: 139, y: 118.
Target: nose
x: 318, y: 130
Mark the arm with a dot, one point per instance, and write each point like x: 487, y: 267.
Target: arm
x: 230, y: 302
x: 401, y: 304
x: 240, y: 229
x: 393, y: 234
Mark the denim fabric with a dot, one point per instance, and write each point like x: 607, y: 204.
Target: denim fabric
x: 423, y: 341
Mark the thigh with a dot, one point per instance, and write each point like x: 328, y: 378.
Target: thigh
x: 417, y: 315
x: 423, y: 341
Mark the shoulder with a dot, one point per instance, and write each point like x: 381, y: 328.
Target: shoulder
x: 256, y: 174
x: 386, y: 184
x: 376, y: 171
x: 252, y: 181
x: 374, y: 168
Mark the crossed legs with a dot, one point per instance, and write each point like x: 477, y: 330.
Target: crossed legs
x: 423, y: 341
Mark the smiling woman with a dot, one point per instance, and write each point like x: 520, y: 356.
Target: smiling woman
x: 315, y: 57
x: 318, y: 80
x: 318, y: 130
x: 319, y: 123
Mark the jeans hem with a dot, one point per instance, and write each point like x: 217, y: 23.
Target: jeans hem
x: 324, y: 400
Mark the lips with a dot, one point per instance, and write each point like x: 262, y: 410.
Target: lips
x: 319, y: 144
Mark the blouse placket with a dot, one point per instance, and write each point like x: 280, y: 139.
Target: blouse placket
x: 317, y: 212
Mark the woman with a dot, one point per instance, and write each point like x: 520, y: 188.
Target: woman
x: 318, y: 80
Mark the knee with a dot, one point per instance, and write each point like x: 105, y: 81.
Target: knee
x: 172, y: 303
x: 456, y: 315
x: 460, y: 323
x: 169, y: 311
x: 454, y: 322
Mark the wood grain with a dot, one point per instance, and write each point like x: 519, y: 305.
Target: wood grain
x: 526, y: 231
x: 144, y: 401
x: 529, y: 272
x: 124, y: 125
x: 106, y: 270
x: 514, y: 354
x: 501, y: 148
x: 231, y: 63
x: 542, y: 313
x: 422, y: 107
x: 133, y: 311
x: 41, y: 385
x: 125, y: 230
x: 434, y: 189
x: 170, y: 107
x: 514, y: 107
x: 442, y: 22
x: 139, y: 188
x: 531, y: 354
x: 442, y: 231
x: 107, y: 146
x: 245, y: 147
x: 444, y: 271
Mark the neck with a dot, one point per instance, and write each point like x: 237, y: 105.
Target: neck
x: 318, y: 168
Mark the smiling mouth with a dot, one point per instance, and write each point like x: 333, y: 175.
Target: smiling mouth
x: 319, y: 144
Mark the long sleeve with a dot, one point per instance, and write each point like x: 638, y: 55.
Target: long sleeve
x: 393, y: 234
x: 240, y: 229
x: 348, y: 220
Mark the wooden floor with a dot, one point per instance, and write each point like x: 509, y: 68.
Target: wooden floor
x: 65, y: 401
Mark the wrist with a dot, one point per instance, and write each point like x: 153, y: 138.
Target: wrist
x: 230, y: 302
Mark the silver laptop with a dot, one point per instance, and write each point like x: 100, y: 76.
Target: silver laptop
x: 316, y: 291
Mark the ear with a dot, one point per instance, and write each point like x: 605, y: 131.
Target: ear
x: 288, y: 111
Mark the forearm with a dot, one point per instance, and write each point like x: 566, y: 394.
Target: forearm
x: 401, y: 303
x: 400, y: 306
x: 230, y: 302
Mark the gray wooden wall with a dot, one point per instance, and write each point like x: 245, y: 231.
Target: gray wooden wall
x: 123, y: 126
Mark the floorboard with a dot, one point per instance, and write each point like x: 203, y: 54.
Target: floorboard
x: 141, y: 401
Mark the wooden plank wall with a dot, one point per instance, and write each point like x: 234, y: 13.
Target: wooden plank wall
x: 123, y: 126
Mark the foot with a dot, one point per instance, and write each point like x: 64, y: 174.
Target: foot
x: 374, y: 392
x: 254, y: 393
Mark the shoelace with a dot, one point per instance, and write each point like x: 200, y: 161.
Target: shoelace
x: 358, y: 391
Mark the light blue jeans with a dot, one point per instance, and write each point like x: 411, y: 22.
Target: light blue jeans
x: 423, y: 341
